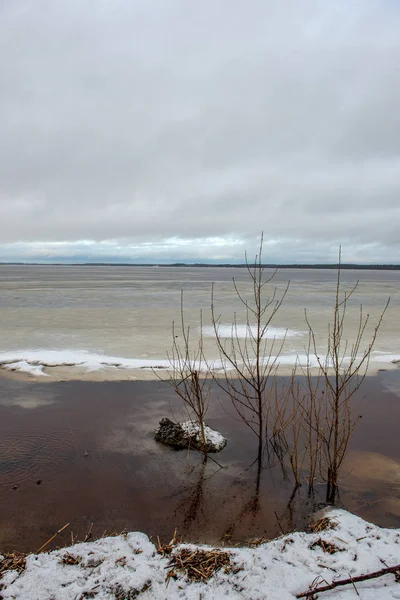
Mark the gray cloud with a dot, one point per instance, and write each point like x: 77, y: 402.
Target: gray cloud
x: 147, y: 129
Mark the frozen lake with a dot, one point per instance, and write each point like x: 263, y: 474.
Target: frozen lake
x: 113, y: 322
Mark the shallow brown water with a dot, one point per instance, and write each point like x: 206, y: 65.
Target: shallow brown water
x: 83, y: 452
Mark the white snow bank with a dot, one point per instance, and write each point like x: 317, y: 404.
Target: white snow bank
x: 75, y: 358
x: 277, y: 570
x: 24, y: 366
x: 34, y: 362
x: 213, y: 438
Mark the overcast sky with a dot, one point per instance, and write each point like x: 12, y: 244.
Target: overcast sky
x: 139, y: 130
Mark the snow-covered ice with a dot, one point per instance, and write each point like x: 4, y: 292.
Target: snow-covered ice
x: 243, y: 331
x: 23, y: 366
x: 40, y: 362
x: 128, y: 566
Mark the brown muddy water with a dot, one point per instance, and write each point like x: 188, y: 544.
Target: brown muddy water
x: 83, y: 453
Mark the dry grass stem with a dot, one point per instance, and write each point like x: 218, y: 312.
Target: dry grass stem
x: 323, y: 524
x: 52, y: 538
x: 166, y: 549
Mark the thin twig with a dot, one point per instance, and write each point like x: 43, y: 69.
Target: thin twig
x: 351, y: 580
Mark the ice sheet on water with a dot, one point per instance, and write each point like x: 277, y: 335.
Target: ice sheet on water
x: 242, y: 330
x: 385, y: 357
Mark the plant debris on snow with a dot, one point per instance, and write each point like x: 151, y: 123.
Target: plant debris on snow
x: 198, y: 565
x: 323, y: 524
x: 12, y: 561
x: 325, y: 546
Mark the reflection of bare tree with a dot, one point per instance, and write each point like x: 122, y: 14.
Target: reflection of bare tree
x: 301, y: 504
x: 194, y: 501
x: 289, y: 518
x: 191, y: 505
x: 252, y: 506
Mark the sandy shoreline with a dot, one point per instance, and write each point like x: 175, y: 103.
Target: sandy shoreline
x: 47, y: 373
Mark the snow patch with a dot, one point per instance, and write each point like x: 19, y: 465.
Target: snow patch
x: 24, y: 366
x: 383, y: 357
x: 33, y: 362
x: 243, y: 331
x: 26, y: 360
x: 213, y: 438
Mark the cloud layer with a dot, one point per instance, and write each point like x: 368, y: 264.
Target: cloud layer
x: 142, y: 130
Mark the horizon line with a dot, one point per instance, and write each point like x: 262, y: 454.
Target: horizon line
x: 316, y: 265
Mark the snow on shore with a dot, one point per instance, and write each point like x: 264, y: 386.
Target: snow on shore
x: 128, y: 566
x: 36, y: 362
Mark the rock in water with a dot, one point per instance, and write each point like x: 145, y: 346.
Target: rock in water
x: 188, y: 434
x: 171, y: 434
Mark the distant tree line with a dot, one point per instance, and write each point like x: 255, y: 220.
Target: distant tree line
x: 344, y: 266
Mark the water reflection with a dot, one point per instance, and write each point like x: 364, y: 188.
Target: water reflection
x: 129, y: 481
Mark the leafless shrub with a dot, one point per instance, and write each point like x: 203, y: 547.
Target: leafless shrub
x: 249, y: 363
x: 316, y: 424
x: 337, y: 422
x: 189, y: 374
x: 325, y: 408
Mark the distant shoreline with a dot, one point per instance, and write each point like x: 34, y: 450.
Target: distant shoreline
x: 344, y: 266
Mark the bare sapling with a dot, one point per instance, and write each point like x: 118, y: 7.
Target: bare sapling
x: 249, y: 361
x: 342, y: 369
x: 297, y: 448
x: 290, y: 438
x: 189, y: 375
x: 278, y: 419
x: 304, y: 436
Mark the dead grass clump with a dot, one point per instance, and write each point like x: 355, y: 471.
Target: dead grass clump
x: 323, y: 524
x: 286, y: 542
x: 89, y: 594
x: 166, y: 549
x: 120, y: 593
x: 198, y: 565
x: 12, y: 561
x: 326, y: 546
x: 70, y: 559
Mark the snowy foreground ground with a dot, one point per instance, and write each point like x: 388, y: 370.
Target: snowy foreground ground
x: 128, y: 566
